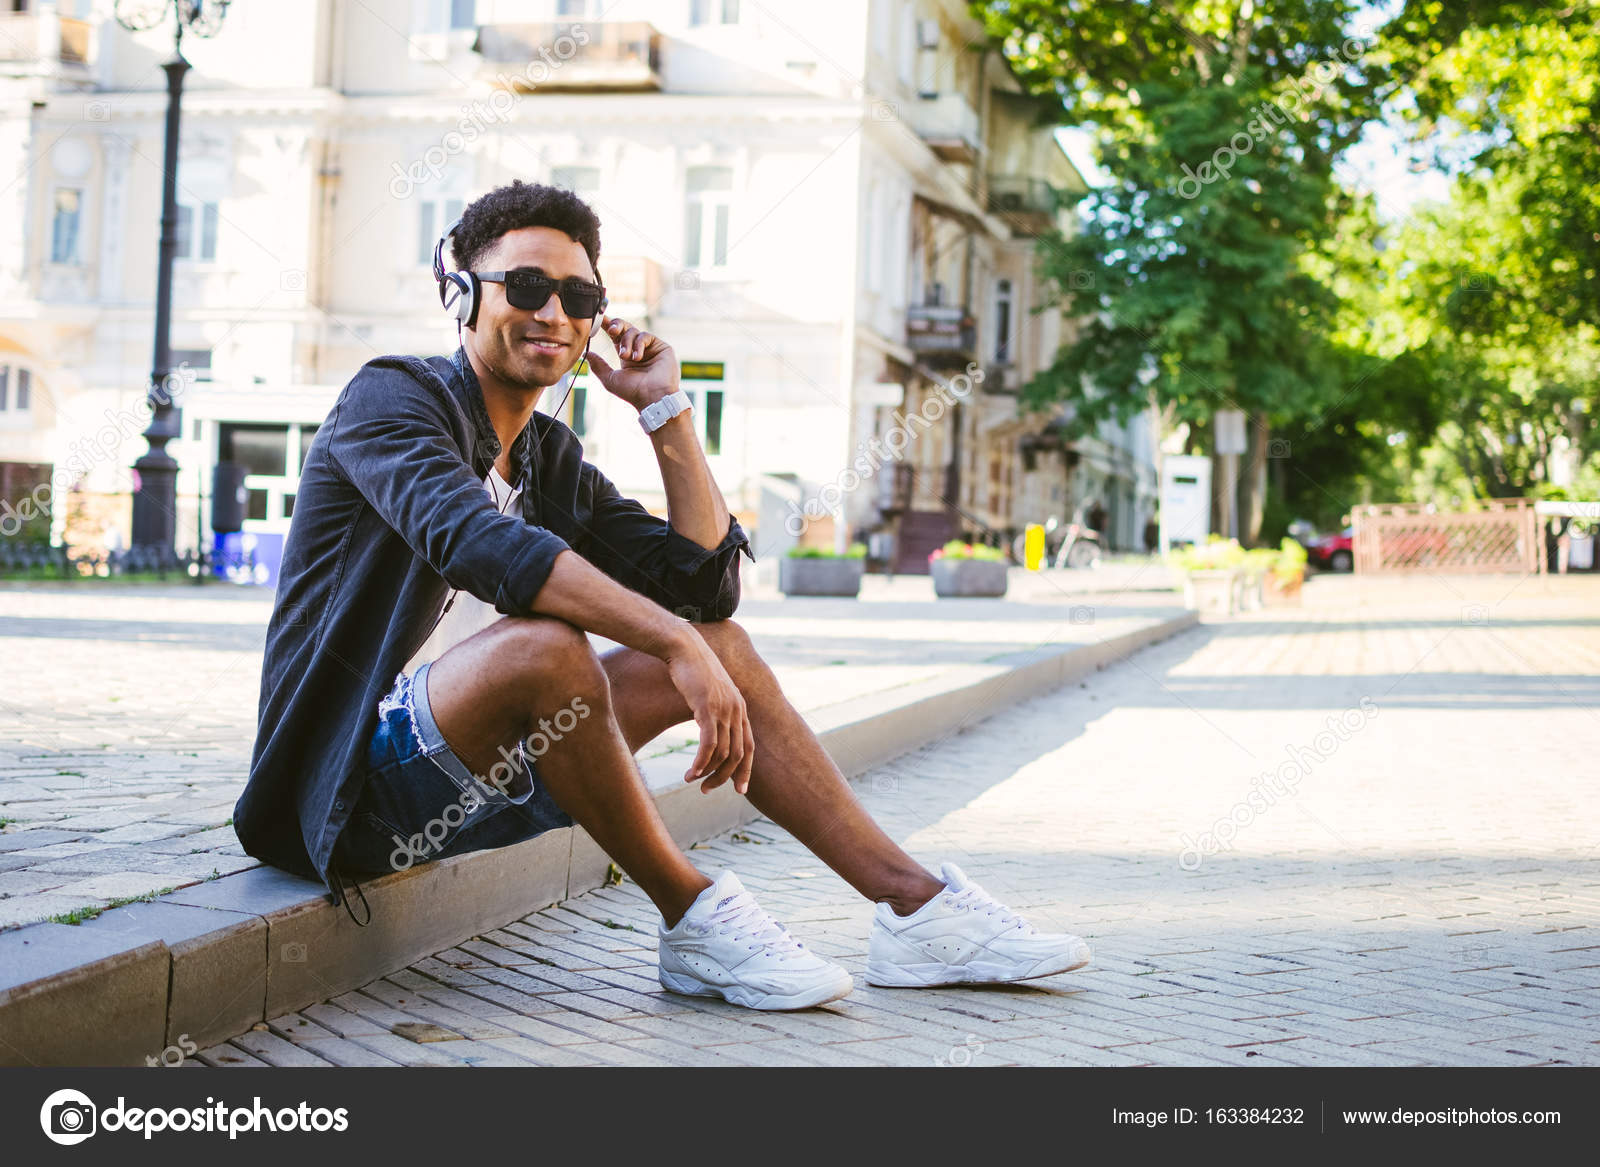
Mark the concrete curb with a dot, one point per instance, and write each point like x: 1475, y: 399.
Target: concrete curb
x: 205, y: 963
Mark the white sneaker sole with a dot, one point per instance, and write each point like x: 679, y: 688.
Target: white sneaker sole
x: 819, y: 994
x: 889, y: 975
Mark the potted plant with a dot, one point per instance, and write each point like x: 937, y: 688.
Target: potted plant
x: 1210, y: 574
x: 968, y: 569
x: 1288, y: 572
x: 1253, y: 571
x: 816, y: 571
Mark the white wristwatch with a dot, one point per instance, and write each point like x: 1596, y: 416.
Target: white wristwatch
x: 658, y: 413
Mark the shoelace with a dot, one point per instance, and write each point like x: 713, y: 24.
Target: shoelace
x: 974, y: 898
x: 746, y: 919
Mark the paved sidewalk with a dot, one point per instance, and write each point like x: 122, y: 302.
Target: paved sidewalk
x: 1423, y: 886
x: 129, y: 713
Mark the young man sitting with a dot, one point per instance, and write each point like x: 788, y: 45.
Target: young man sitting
x: 428, y: 688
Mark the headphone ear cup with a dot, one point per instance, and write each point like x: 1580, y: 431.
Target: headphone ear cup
x: 463, y: 305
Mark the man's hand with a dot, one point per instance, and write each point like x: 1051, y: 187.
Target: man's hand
x: 727, y: 743
x: 649, y: 368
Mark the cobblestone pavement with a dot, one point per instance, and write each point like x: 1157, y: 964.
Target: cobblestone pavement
x: 128, y: 712
x: 1421, y: 887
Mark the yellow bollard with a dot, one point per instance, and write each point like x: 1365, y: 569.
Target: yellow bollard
x: 1033, y: 546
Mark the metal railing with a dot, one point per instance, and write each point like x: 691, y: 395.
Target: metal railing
x: 59, y: 561
x: 1503, y: 536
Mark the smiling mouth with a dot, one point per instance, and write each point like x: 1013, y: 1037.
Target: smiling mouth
x: 547, y: 346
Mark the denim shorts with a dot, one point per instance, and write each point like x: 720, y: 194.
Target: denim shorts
x: 420, y: 801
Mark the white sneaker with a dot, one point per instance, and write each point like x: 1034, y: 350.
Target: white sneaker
x: 964, y: 936
x: 727, y: 946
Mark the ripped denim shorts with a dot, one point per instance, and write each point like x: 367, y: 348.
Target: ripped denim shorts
x: 421, y: 802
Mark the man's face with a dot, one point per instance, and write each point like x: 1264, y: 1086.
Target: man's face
x: 531, y: 349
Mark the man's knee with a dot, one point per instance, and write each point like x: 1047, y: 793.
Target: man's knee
x: 551, y: 656
x: 733, y: 646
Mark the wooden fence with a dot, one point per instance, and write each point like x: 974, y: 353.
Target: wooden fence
x: 1502, y: 536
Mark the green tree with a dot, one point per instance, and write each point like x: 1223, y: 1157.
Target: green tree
x: 1220, y: 123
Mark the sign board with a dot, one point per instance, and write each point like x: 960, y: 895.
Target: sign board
x: 700, y: 370
x: 1228, y: 427
x: 890, y: 393
x: 1185, y: 499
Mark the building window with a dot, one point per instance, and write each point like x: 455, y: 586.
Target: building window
x: 307, y: 432
x: 713, y: 12
x: 444, y: 15
x: 196, y: 360
x: 706, y: 216
x: 64, y: 225
x: 5, y: 386
x: 1002, y: 322
x: 583, y: 181
x: 24, y: 390
x: 713, y: 421
x: 581, y: 8
x: 203, y: 248
x: 580, y: 398
x: 434, y: 216
x: 260, y: 449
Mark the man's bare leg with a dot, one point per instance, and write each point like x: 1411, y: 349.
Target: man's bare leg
x: 491, y: 690
x: 793, y: 781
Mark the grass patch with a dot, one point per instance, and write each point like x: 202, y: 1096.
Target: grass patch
x: 79, y: 915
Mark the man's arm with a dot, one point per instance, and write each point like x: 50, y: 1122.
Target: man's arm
x: 695, y: 506
x: 689, y: 562
x: 390, y: 439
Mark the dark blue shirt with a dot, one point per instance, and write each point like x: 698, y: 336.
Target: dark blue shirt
x: 389, y: 516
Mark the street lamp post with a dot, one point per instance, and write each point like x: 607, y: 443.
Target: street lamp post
x: 155, y: 501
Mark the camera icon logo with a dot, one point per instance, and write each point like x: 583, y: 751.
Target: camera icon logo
x: 68, y: 1117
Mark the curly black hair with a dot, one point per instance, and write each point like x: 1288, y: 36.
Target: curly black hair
x: 523, y: 204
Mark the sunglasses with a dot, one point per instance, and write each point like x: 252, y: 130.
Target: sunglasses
x: 530, y: 290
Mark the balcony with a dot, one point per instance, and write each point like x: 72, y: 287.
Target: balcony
x: 1028, y: 205
x: 28, y: 37
x: 948, y: 125
x: 617, y: 56
x: 633, y: 283
x: 943, y: 334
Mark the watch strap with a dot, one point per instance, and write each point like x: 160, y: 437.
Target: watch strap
x: 655, y: 415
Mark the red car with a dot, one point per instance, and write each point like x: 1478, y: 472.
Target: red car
x: 1333, y: 552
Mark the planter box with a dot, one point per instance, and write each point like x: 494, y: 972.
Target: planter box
x: 1249, y: 595
x: 1214, y: 592
x: 820, y: 577
x: 1281, y: 595
x: 968, y: 577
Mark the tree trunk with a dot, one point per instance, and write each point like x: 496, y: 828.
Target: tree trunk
x: 1253, y: 480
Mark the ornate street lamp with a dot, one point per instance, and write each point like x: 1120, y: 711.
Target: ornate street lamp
x: 155, y: 502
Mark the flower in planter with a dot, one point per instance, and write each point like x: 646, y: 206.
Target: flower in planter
x: 1216, y: 554
x: 1288, y: 563
x: 957, y: 549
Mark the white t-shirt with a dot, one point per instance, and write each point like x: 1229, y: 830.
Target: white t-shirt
x: 467, y: 614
